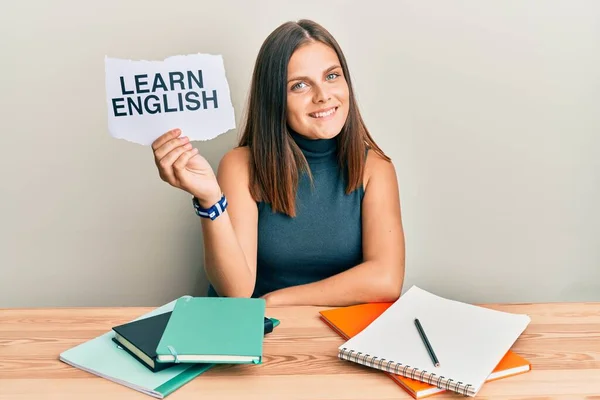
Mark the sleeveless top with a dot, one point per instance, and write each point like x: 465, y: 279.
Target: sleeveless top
x: 325, y: 236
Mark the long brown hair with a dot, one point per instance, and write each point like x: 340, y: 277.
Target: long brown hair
x: 276, y: 160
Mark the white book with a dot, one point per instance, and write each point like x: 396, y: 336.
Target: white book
x: 468, y: 341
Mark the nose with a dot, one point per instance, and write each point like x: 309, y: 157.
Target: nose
x: 321, y: 95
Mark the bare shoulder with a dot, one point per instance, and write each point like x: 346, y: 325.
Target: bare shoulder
x: 235, y: 164
x: 233, y: 175
x: 379, y: 169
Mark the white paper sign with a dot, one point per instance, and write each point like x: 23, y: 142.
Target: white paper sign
x: 148, y: 98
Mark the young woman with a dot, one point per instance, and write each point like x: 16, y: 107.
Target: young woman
x: 306, y: 209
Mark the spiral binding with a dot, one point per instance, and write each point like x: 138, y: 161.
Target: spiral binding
x: 405, y: 370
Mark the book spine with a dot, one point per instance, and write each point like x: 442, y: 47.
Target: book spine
x: 406, y: 370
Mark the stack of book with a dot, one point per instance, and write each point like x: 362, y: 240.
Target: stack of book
x: 471, y: 344
x: 166, y: 348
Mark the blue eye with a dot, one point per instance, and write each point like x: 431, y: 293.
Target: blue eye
x: 297, y: 85
x: 333, y: 75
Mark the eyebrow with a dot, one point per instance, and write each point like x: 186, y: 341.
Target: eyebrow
x: 306, y: 78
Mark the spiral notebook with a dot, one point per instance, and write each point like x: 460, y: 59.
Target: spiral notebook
x: 349, y: 321
x: 469, y: 341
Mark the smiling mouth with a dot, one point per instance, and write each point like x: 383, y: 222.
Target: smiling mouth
x: 323, y: 114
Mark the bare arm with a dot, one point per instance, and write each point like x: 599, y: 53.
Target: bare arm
x: 380, y: 276
x: 230, y: 240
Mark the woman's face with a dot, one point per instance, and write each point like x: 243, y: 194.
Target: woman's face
x: 317, y: 92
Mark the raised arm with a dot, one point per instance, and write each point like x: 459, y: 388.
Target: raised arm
x: 229, y: 240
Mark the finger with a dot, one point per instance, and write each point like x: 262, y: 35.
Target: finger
x: 183, y: 159
x: 170, y: 146
x: 165, y: 137
x: 166, y: 163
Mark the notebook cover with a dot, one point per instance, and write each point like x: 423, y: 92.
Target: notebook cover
x: 214, y: 326
x: 348, y: 321
x: 144, y: 335
x: 102, y: 357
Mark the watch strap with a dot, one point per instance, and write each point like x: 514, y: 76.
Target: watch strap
x: 213, y: 211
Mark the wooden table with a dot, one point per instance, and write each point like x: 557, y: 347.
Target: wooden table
x: 562, y: 342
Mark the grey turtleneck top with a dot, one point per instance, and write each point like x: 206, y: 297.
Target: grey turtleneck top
x: 325, y: 237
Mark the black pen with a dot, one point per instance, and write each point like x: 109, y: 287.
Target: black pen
x: 427, y: 344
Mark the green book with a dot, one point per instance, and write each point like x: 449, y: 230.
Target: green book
x: 140, y: 338
x: 214, y: 330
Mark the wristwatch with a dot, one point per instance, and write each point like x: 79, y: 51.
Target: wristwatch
x: 212, y: 212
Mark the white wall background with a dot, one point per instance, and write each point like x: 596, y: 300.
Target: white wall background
x: 490, y: 111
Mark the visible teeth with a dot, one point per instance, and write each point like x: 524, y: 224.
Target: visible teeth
x: 324, y: 114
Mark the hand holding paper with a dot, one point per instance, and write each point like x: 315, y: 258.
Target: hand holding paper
x: 145, y: 99
x: 180, y: 165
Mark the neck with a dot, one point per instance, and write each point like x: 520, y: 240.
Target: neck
x: 315, y: 150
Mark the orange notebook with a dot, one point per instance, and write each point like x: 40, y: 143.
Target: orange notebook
x: 348, y: 321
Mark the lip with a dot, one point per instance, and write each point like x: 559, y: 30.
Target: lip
x: 324, y: 110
